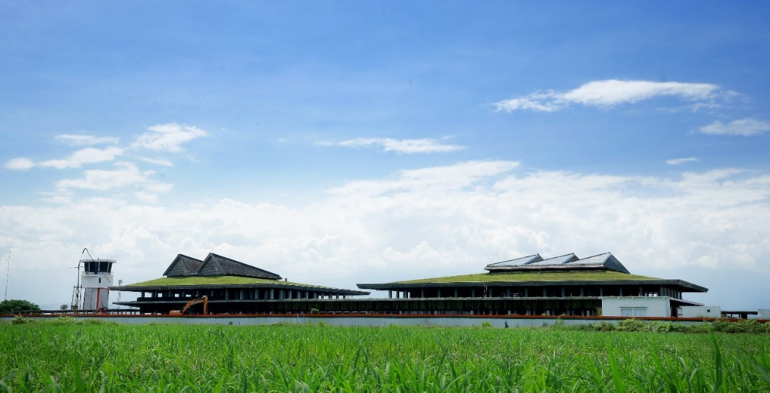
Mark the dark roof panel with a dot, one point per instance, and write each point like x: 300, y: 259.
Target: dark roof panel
x: 182, y: 266
x: 217, y: 265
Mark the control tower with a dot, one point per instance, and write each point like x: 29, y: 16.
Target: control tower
x: 95, y: 280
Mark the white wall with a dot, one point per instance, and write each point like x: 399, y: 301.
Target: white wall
x: 764, y: 313
x: 701, y: 311
x: 655, y: 306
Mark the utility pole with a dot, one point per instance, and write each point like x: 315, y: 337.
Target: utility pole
x: 7, y: 272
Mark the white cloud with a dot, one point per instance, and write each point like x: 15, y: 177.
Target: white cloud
x: 80, y: 140
x: 608, y: 93
x: 678, y: 161
x: 156, y: 161
x: 168, y: 137
x: 19, y: 164
x: 407, y: 146
x: 102, y: 180
x: 744, y: 127
x: 424, y: 222
x: 88, y: 155
x: 159, y: 188
x: 146, y: 197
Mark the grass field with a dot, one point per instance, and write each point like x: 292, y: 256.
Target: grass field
x: 173, y: 358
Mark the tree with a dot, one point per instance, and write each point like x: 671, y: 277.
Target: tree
x: 14, y: 306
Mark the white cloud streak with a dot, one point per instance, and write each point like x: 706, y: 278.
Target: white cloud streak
x: 679, y: 161
x: 126, y: 174
x: 88, y: 140
x: 742, y: 127
x: 19, y: 164
x: 608, y: 93
x: 405, y: 146
x: 155, y: 161
x: 88, y: 155
x: 168, y: 137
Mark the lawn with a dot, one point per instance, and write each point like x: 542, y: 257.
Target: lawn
x: 283, y: 358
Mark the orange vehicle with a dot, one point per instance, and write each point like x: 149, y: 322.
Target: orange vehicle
x: 203, y: 299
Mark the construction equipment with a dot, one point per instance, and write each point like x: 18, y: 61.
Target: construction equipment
x: 203, y: 299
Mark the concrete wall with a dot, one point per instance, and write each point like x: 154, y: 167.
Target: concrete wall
x: 764, y: 313
x: 701, y: 311
x: 655, y: 306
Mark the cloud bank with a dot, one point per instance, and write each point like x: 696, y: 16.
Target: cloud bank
x: 419, y: 223
x: 608, y: 93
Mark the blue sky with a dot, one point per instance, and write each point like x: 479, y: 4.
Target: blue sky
x: 345, y: 142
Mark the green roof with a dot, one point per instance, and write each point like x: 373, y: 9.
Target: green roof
x: 214, y: 280
x: 531, y: 276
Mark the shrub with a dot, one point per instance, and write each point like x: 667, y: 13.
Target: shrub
x: 19, y: 320
x: 14, y: 306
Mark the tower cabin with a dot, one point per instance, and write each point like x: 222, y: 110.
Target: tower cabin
x: 95, y: 281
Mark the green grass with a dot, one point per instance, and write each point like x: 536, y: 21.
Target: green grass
x: 214, y: 280
x: 301, y: 358
x: 526, y: 276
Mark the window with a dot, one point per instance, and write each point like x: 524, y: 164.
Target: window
x: 633, y: 311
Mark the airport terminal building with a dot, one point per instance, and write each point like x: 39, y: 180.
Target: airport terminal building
x: 530, y: 285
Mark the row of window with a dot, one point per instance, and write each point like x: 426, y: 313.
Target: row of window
x: 633, y: 311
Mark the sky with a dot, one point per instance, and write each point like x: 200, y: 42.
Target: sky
x: 337, y: 143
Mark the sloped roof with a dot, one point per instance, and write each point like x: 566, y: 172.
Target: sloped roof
x: 518, y: 261
x: 217, y: 265
x: 183, y: 266
x: 605, y: 261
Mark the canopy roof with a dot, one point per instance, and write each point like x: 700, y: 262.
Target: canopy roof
x: 221, y: 282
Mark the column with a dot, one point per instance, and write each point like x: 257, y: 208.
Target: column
x: 390, y: 294
x: 272, y: 293
x: 455, y: 292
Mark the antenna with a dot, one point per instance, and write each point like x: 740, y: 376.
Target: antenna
x: 77, y: 289
x: 7, y: 272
